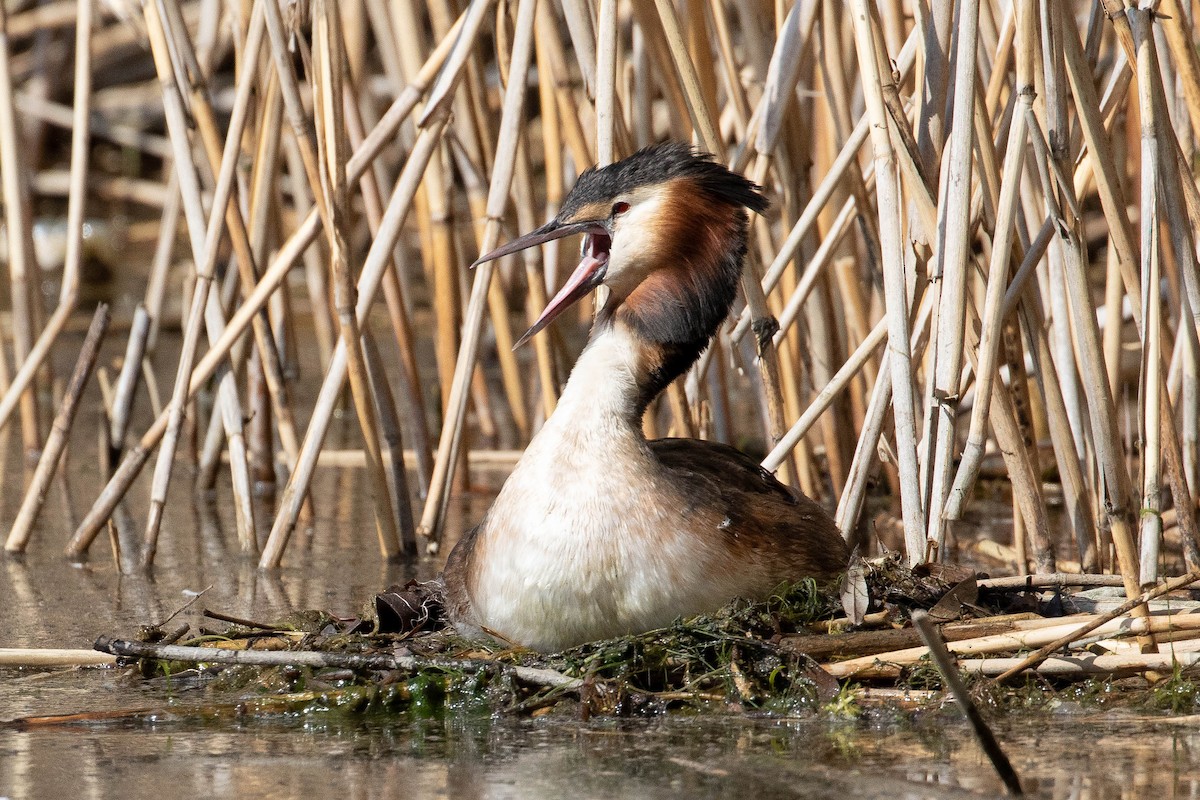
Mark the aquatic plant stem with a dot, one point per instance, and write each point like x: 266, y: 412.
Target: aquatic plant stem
x: 312, y: 658
x: 949, y: 278
x: 205, y: 252
x: 453, y: 425
x: 292, y: 499
x: 14, y: 187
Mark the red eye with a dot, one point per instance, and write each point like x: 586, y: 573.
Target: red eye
x: 620, y: 208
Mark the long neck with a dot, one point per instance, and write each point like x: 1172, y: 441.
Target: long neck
x: 674, y: 313
x: 602, y: 394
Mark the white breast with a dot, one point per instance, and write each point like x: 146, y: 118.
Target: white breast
x: 586, y: 539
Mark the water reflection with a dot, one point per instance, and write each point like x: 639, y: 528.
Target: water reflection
x: 472, y: 757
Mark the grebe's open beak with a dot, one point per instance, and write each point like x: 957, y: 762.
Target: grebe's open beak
x: 586, y: 276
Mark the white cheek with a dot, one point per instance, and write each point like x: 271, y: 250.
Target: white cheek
x: 633, y: 246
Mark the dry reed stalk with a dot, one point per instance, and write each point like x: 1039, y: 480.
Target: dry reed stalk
x: 510, y: 369
x: 314, y: 268
x: 897, y: 302
x: 536, y: 284
x: 762, y: 321
x: 392, y: 446
x: 1140, y: 601
x: 851, y: 502
x: 225, y: 163
x: 436, y: 219
x: 56, y: 442
x: 298, y: 119
x: 1077, y: 666
x: 76, y: 206
x: 1076, y: 498
x: 950, y: 675
x: 43, y: 657
x: 1062, y: 351
x: 271, y: 280
x: 715, y: 15
x: 1117, y: 485
x: 1018, y: 640
x: 1002, y: 245
x: 204, y: 307
x: 101, y: 126
x: 410, y: 383
x: 1027, y: 487
x: 857, y: 360
x: 332, y: 145
x: 21, y: 258
x: 292, y: 499
x: 815, y: 268
x: 505, y: 164
x: 1178, y: 192
x: 482, y: 459
x: 949, y: 275
x: 168, y: 230
x: 606, y: 80
x: 1151, y: 382
x: 433, y: 215
x: 131, y: 369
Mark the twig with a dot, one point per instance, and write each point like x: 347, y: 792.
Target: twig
x: 546, y: 678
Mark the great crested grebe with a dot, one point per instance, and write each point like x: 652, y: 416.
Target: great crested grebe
x: 598, y: 532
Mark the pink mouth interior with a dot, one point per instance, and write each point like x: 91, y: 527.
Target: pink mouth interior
x: 595, y: 247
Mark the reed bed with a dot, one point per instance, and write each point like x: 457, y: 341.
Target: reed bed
x: 980, y: 256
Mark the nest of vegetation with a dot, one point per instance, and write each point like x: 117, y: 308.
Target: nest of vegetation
x: 795, y: 652
x: 400, y: 653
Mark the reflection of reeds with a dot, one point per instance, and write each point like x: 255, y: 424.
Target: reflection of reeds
x: 969, y: 264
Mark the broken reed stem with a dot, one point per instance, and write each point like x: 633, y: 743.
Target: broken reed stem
x: 1140, y: 601
x: 889, y: 663
x: 41, y: 658
x: 56, y: 442
x: 983, y: 732
x: 316, y: 659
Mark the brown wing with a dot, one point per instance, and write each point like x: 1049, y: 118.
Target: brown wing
x: 456, y: 575
x: 784, y: 528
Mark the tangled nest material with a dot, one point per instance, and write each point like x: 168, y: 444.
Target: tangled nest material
x: 399, y: 653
